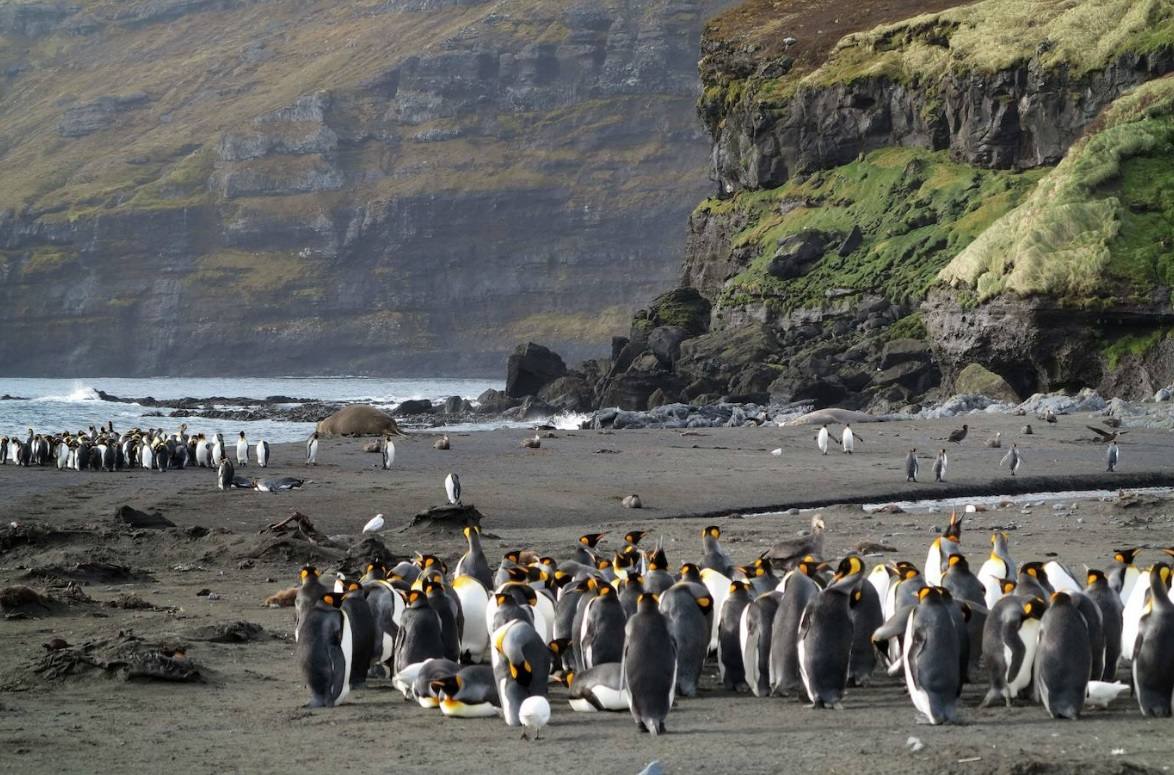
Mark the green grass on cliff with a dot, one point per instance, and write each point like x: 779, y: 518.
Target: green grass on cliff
x: 981, y: 37
x: 915, y: 208
x: 1099, y: 227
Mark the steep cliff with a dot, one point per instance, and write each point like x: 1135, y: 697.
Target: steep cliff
x: 403, y: 186
x: 859, y: 151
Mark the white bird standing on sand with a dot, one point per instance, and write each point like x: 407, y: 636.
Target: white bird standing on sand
x: 777, y: 452
x: 1113, y: 456
x: 1012, y: 459
x: 1101, y: 693
x: 242, y: 451
x: 821, y: 439
x: 374, y: 525
x: 312, y: 449
x: 388, y: 452
x: 849, y: 439
x: 939, y: 466
x: 452, y: 485
x: 533, y: 713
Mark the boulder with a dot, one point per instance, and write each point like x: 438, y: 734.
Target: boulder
x: 568, y: 394
x: 722, y: 355
x: 532, y: 367
x: 902, y: 350
x: 357, y: 420
x: 455, y: 405
x: 658, y: 398
x: 632, y: 389
x: 531, y: 407
x: 495, y: 402
x: 975, y: 379
x: 797, y: 254
x: 141, y: 519
x: 682, y: 307
x: 854, y: 239
x: 414, y: 406
x: 665, y: 343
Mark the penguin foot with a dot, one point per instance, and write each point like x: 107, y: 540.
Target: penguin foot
x: 837, y: 705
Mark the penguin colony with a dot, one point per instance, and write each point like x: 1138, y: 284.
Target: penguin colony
x: 622, y: 632
x: 154, y: 449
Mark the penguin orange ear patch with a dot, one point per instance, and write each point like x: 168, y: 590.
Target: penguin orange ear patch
x: 924, y: 592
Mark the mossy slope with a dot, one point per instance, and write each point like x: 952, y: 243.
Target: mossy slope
x: 1099, y: 228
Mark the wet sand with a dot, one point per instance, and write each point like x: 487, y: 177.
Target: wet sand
x: 246, y: 715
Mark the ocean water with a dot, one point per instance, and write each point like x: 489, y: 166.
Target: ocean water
x: 55, y: 405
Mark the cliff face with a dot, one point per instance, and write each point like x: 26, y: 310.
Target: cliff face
x: 859, y: 152
x: 387, y: 187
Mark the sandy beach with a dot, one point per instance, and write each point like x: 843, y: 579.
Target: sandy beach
x: 246, y: 715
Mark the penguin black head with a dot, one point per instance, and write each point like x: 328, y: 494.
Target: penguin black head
x: 907, y: 570
x: 1096, y: 577
x: 447, y: 687
x: 605, y: 590
x: 713, y: 531
x: 624, y: 560
x: 647, y: 602
x: 658, y: 561
x: 558, y: 645
x: 561, y: 579
x: 958, y: 561
x: 1034, y: 608
x: 307, y: 572
x: 849, y: 566
x: 738, y: 586
x: 1125, y: 556
x: 470, y: 529
x: 810, y: 567
x: 1034, y: 569
x: 1007, y: 585
x: 433, y: 588
x: 929, y: 595
x: 1061, y: 599
x: 633, y: 580
x: 633, y: 537
x: 762, y: 566
x: 417, y: 599
x: 585, y: 585
x: 377, y: 569
x: 954, y: 529
x: 705, y: 602
x: 1164, y: 572
x: 518, y: 574
x: 591, y: 539
x: 427, y: 561
x: 689, y: 572
x: 602, y: 564
x: 513, y: 555
x: 537, y: 573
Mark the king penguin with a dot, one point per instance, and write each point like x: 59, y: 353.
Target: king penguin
x: 324, y: 651
x: 242, y: 451
x: 687, y: 615
x: 1063, y: 660
x: 420, y: 635
x: 1109, y: 603
x: 224, y: 474
x: 473, y: 562
x: 310, y: 589
x: 521, y: 666
x: 729, y: 645
x: 782, y: 675
x: 312, y: 449
x: 388, y: 452
x: 263, y: 453
x: 932, y: 658
x: 362, y: 624
x: 649, y: 666
x: 1009, y: 642
x: 826, y: 636
x: 601, y: 638
x: 1153, y: 654
x: 598, y: 689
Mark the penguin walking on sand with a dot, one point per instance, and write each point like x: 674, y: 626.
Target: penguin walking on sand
x: 218, y: 451
x: 822, y: 438
x: 1063, y: 659
x: 312, y: 449
x: 932, y: 657
x: 939, y: 466
x: 826, y: 635
x: 242, y: 451
x: 911, y: 466
x: 325, y: 651
x: 262, y: 453
x: 1013, y: 460
x: 388, y: 452
x: 649, y: 666
x: 225, y: 475
x: 1153, y: 653
x: 452, y: 486
x: 1112, y: 456
x: 848, y: 439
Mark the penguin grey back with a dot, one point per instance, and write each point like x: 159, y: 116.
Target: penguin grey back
x: 1064, y: 658
x: 686, y: 615
x: 649, y: 665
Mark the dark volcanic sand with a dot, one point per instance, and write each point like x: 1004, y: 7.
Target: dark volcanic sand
x: 247, y: 717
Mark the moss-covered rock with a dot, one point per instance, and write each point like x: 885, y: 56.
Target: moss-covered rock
x: 976, y: 380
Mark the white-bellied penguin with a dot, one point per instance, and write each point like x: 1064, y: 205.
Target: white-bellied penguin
x: 932, y: 657
x: 324, y: 651
x: 1153, y: 655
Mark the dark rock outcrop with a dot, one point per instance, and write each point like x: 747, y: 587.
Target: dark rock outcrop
x: 531, y: 368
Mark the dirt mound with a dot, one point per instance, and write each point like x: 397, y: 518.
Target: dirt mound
x: 89, y: 571
x: 229, y: 632
x: 126, y: 655
x: 449, y: 518
x: 131, y: 516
